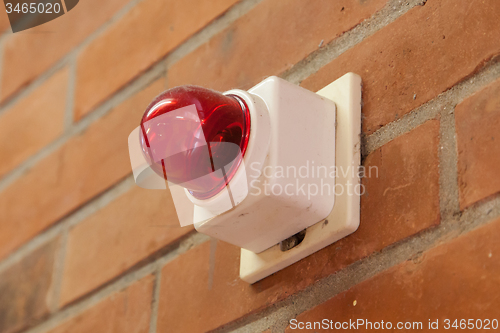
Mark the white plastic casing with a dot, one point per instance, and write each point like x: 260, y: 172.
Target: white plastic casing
x: 344, y: 218
x: 292, y: 137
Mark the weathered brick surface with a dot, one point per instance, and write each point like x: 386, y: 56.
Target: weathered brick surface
x: 457, y: 280
x: 424, y: 52
x: 25, y: 289
x: 81, y: 169
x: 131, y: 228
x: 146, y: 34
x: 402, y: 201
x: 4, y: 23
x: 478, y: 143
x: 188, y: 303
x: 268, y: 40
x: 421, y: 54
x: 126, y: 311
x: 29, y: 53
x: 33, y: 122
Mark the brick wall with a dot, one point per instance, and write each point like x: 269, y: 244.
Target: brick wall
x: 81, y: 249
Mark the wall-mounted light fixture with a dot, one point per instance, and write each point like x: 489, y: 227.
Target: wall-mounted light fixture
x: 273, y: 170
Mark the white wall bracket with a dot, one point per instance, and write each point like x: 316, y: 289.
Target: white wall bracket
x: 344, y: 218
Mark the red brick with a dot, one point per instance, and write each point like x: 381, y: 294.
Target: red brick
x: 186, y: 302
x: 78, y: 171
x: 457, y: 280
x: 268, y: 40
x: 126, y: 311
x: 146, y: 34
x: 4, y: 23
x: 134, y: 226
x: 25, y: 289
x: 402, y: 201
x: 478, y: 142
x: 29, y: 53
x: 33, y: 122
x: 415, y: 58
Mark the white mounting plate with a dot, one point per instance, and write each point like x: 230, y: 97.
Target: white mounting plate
x: 344, y: 218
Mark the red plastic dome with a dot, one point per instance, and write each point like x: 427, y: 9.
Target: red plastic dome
x: 195, y: 137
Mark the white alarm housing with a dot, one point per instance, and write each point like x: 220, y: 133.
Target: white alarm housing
x: 297, y: 181
x: 292, y: 137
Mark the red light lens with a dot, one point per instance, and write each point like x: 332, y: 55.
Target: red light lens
x: 172, y: 141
